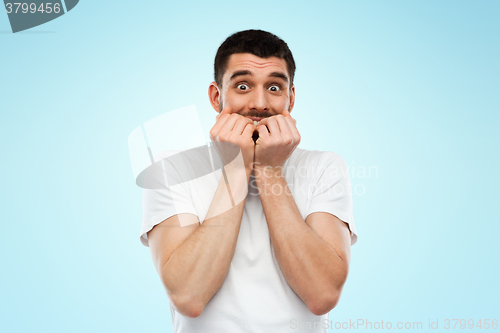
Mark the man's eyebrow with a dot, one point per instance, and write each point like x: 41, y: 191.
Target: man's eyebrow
x: 240, y: 73
x: 246, y: 72
x: 279, y: 75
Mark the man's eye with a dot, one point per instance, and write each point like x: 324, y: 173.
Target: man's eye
x: 275, y: 88
x: 241, y: 85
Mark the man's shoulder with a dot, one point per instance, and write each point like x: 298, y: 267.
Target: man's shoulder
x: 315, y: 158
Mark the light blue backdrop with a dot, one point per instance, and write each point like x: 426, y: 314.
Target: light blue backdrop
x: 408, y: 88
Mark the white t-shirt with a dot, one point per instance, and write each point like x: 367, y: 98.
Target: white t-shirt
x: 255, y: 297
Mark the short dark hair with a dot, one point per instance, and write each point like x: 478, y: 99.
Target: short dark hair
x: 257, y: 42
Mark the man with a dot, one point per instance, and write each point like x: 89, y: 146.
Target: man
x: 277, y: 260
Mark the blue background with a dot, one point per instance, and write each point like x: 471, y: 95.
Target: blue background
x: 409, y: 88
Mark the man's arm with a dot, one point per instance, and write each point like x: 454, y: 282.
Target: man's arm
x: 193, y: 260
x: 313, y: 255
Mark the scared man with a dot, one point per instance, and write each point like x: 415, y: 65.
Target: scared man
x: 277, y: 260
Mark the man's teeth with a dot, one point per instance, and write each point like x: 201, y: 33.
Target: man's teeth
x: 255, y: 122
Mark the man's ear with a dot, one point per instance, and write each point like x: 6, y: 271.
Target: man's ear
x: 214, y: 96
x: 292, y: 98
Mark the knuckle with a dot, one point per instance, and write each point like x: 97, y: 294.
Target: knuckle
x: 223, y: 137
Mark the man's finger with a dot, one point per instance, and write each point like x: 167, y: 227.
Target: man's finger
x: 219, y: 123
x: 221, y: 119
x: 263, y: 131
x: 286, y: 113
x: 248, y: 131
x: 229, y: 123
x: 293, y: 127
x: 273, y: 127
x: 241, y: 124
x: 284, y: 126
x: 226, y: 110
x: 264, y: 122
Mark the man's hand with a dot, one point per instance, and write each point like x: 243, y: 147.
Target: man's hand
x: 235, y: 129
x: 278, y: 138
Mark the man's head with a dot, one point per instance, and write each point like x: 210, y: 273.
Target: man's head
x: 254, y: 73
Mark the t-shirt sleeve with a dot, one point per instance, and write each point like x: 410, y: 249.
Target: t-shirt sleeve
x: 332, y: 191
x: 162, y: 202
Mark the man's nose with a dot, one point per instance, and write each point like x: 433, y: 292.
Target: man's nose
x: 258, y: 101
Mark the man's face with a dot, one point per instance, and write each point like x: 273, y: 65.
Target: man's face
x: 254, y: 87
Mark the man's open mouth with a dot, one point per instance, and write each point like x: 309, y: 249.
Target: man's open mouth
x: 256, y: 119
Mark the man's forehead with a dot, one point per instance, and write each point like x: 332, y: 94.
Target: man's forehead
x: 254, y: 64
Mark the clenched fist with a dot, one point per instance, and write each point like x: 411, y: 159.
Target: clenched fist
x: 233, y: 129
x: 278, y: 138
